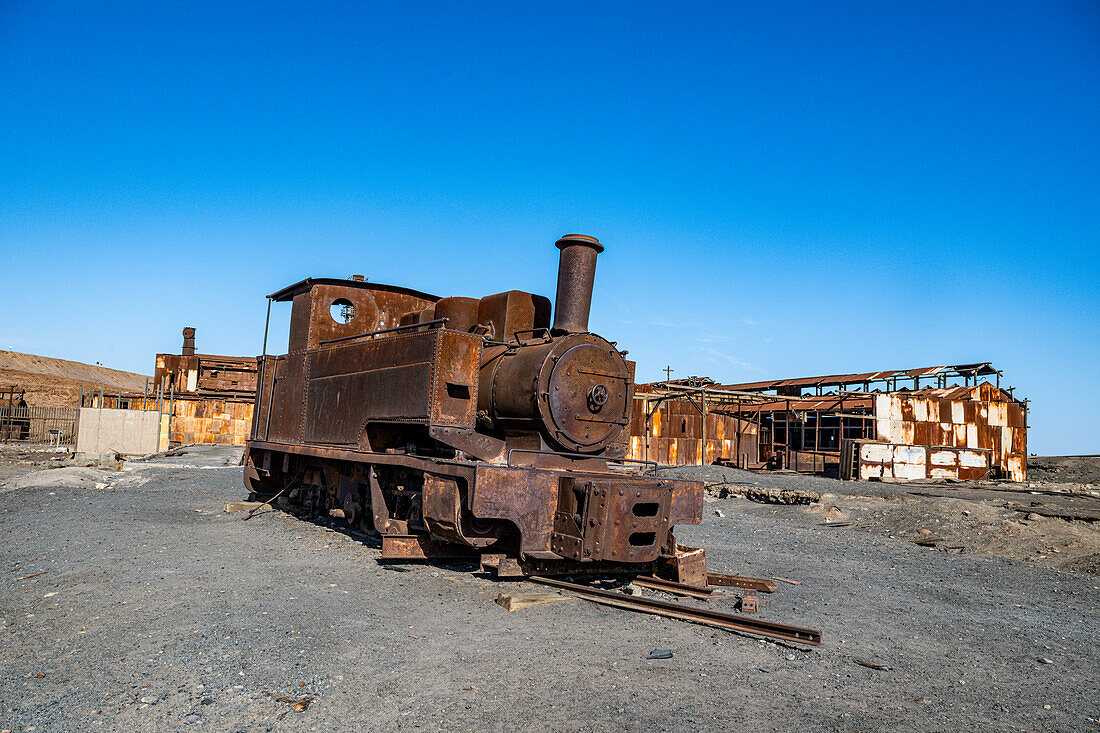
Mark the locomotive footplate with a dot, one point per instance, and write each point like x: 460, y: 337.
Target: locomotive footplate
x: 617, y: 519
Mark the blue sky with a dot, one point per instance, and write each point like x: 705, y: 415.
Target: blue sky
x: 783, y: 190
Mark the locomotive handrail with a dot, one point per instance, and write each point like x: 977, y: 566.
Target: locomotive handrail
x: 372, y: 334
x: 532, y: 331
x: 579, y: 455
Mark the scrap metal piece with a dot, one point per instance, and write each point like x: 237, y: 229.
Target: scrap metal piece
x: 501, y: 566
x: 736, y: 581
x: 706, y: 617
x: 418, y: 547
x: 680, y: 589
x: 873, y: 665
x: 690, y: 565
x: 750, y: 603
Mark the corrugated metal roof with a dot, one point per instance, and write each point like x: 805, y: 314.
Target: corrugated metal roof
x: 797, y: 404
x: 855, y: 401
x: 839, y: 380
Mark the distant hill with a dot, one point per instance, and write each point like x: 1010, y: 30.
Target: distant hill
x: 51, y: 382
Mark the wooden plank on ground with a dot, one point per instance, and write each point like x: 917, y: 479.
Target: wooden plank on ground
x: 241, y: 506
x: 516, y: 601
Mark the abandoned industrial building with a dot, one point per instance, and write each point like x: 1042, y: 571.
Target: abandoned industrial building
x: 210, y: 395
x: 932, y: 422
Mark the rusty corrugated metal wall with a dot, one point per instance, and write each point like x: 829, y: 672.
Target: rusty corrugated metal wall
x: 981, y: 416
x: 204, y: 374
x: 210, y: 421
x: 675, y: 435
x: 867, y: 459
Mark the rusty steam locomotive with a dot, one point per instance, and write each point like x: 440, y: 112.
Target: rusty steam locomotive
x: 457, y: 425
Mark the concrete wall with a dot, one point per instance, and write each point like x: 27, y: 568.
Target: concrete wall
x: 133, y: 432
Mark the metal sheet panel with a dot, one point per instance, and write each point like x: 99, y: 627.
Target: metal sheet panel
x: 340, y: 406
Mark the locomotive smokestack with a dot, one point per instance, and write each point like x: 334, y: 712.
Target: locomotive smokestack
x: 576, y: 273
x: 188, y: 342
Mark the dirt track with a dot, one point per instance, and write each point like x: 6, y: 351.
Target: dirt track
x: 155, y: 610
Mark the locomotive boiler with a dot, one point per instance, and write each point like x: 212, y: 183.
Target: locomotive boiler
x: 465, y: 426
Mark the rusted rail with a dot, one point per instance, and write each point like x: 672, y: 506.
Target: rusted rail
x: 706, y: 617
x: 736, y: 581
x: 679, y: 589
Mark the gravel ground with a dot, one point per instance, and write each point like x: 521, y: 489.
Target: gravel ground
x: 156, y: 611
x: 1064, y: 469
x: 1001, y: 519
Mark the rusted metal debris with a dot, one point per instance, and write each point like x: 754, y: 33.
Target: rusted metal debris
x: 706, y: 617
x: 873, y: 665
x: 679, y: 589
x: 736, y: 581
x: 299, y: 705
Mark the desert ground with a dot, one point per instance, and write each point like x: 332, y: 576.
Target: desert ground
x: 130, y: 600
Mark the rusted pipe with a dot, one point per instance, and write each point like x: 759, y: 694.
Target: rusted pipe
x: 188, y: 342
x: 576, y: 273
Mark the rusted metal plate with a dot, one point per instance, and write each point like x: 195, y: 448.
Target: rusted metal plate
x: 689, y: 564
x: 203, y: 420
x: 361, y: 307
x: 281, y: 418
x: 736, y: 581
x: 621, y: 519
x: 686, y: 506
x: 419, y: 547
x: 455, y: 379
x: 525, y: 497
x: 506, y: 314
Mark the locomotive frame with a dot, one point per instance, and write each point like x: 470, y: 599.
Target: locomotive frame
x: 463, y: 426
